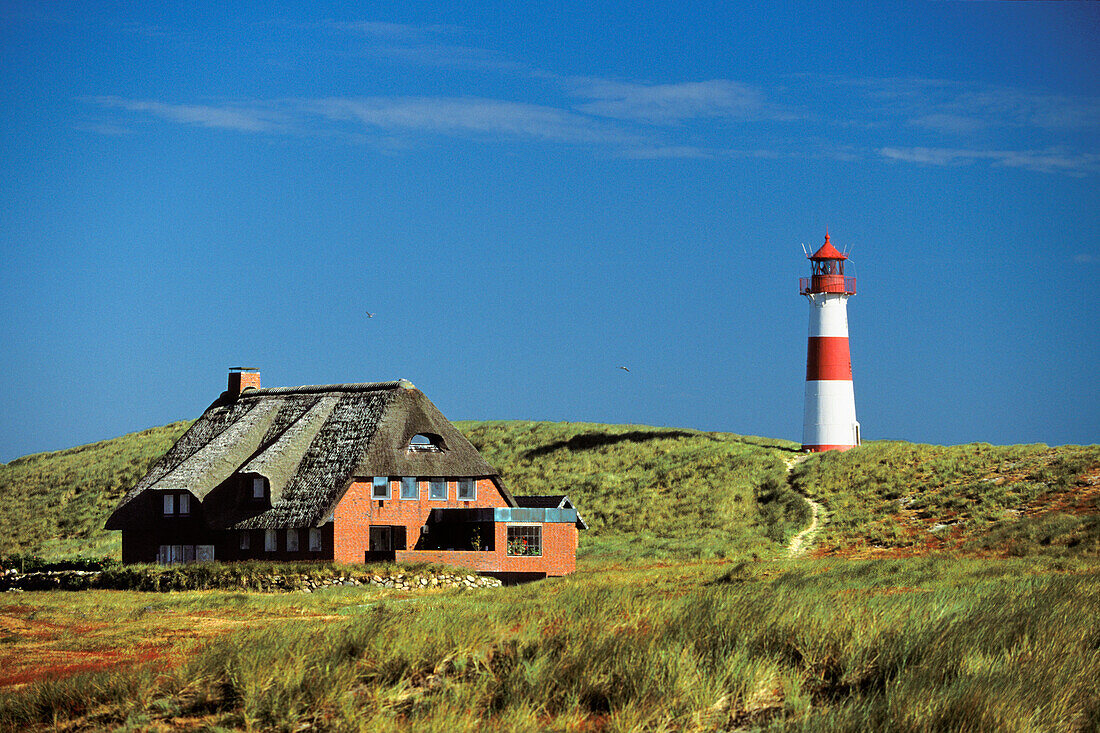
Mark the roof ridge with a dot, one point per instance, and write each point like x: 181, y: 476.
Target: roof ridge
x: 319, y: 388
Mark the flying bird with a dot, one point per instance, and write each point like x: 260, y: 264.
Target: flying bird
x: 624, y: 369
x: 370, y: 315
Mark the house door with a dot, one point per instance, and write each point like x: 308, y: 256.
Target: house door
x: 381, y: 539
x: 383, y: 542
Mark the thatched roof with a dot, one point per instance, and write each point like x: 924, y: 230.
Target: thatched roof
x: 310, y: 443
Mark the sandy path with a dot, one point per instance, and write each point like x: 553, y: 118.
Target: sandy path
x: 803, y: 540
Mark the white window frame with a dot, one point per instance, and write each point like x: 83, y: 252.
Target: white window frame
x: 271, y: 540
x: 523, y: 525
x: 432, y: 483
x: 169, y: 504
x: 292, y: 540
x: 259, y: 488
x: 378, y: 483
x: 472, y: 483
x: 430, y: 444
x: 184, y: 508
x: 410, y: 481
x: 314, y: 539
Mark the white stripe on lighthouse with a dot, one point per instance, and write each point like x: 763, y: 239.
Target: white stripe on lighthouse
x: 828, y: 314
x: 830, y: 418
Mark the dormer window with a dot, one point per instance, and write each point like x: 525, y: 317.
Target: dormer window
x: 176, y: 505
x: 425, y: 443
x: 255, y: 490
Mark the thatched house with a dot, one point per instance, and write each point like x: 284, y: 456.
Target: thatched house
x: 344, y: 472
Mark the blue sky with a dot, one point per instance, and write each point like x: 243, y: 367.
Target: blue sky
x: 528, y: 198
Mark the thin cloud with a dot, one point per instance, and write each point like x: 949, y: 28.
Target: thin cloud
x: 395, y: 31
x: 1047, y: 161
x: 950, y: 123
x: 665, y: 152
x: 229, y: 117
x: 463, y: 116
x: 1087, y: 259
x: 666, y: 103
x: 963, y: 108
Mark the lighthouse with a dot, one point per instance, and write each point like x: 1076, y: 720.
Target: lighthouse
x: 830, y: 420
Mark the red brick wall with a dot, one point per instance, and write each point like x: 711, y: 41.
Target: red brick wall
x: 559, y: 553
x: 238, y: 381
x: 356, y: 512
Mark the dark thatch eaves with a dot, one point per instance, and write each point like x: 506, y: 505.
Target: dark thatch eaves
x: 310, y: 443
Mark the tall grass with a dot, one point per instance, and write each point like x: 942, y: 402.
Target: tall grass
x: 890, y: 645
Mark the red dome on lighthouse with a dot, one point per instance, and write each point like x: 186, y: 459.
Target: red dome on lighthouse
x: 827, y: 272
x: 828, y: 252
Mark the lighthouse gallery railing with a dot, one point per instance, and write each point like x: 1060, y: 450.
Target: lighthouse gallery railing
x: 827, y: 284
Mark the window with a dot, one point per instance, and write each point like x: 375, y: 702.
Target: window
x: 524, y: 539
x: 409, y: 488
x: 386, y: 538
x: 185, y: 504
x: 381, y: 488
x: 175, y: 554
x: 271, y: 540
x: 467, y: 489
x: 292, y: 540
x: 258, y: 488
x: 169, y: 504
x: 437, y: 488
x: 381, y: 539
x: 425, y: 443
x: 314, y: 540
x: 246, y: 539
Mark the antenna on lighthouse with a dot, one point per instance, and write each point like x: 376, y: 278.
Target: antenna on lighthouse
x: 804, y: 250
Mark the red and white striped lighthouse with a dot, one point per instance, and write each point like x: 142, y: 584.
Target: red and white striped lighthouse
x: 830, y: 421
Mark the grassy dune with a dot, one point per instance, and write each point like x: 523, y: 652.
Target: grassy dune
x: 55, y: 504
x: 908, y: 498
x: 653, y: 492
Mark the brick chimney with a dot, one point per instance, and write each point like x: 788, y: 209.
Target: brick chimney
x: 241, y: 378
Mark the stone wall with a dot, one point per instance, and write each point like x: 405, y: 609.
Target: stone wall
x: 274, y: 583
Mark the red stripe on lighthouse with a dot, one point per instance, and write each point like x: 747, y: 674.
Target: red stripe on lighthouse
x: 827, y: 357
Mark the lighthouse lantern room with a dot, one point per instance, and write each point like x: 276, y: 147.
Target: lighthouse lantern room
x: 830, y: 420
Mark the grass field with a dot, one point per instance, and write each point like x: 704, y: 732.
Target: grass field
x: 909, y: 644
x: 979, y: 610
